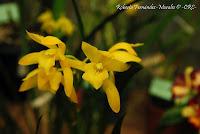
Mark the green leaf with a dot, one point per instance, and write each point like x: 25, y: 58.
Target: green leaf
x: 172, y: 116
x: 161, y: 88
x: 8, y: 12
x: 117, y: 127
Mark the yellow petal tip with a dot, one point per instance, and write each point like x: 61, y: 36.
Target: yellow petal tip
x: 27, y: 31
x: 116, y: 110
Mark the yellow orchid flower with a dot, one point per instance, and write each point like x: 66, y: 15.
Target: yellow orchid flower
x: 47, y: 21
x: 39, y: 78
x: 101, y: 64
x: 99, y: 72
x: 50, y: 25
x: 46, y: 58
x: 45, y: 82
x: 46, y: 61
x: 45, y: 16
x: 65, y: 25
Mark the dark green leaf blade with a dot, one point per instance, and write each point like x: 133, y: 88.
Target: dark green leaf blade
x: 172, y: 116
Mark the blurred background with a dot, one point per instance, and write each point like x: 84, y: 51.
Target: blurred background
x: 171, y: 43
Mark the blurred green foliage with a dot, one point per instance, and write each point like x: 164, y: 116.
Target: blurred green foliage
x: 173, y: 33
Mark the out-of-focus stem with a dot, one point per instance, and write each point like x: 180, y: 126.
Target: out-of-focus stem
x: 80, y: 22
x: 24, y: 46
x: 58, y: 8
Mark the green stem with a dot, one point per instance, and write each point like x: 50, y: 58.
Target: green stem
x: 58, y: 8
x: 24, y: 46
x: 80, y: 22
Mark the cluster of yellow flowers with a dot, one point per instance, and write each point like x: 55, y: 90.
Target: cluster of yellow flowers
x: 50, y: 25
x: 99, y: 67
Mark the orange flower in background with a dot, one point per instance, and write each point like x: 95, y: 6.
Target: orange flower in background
x: 192, y: 113
x: 196, y: 79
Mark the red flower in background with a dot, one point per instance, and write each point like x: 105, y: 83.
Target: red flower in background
x: 186, y: 89
x: 186, y: 83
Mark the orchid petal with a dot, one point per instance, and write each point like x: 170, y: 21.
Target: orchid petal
x: 112, y: 95
x: 28, y: 84
x: 91, y: 52
x: 30, y: 59
x: 112, y: 64
x: 55, y: 79
x: 123, y: 46
x: 125, y: 57
x: 68, y: 81
x: 31, y: 74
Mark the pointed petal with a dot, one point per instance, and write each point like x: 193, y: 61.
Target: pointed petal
x: 93, y: 76
x: 29, y: 59
x: 91, y: 52
x: 28, y: 84
x: 112, y: 64
x: 112, y: 95
x: 68, y: 81
x: 125, y: 57
x: 73, y: 96
x: 123, y: 46
x: 55, y: 79
x: 48, y: 41
x: 37, y: 38
x: 31, y: 74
